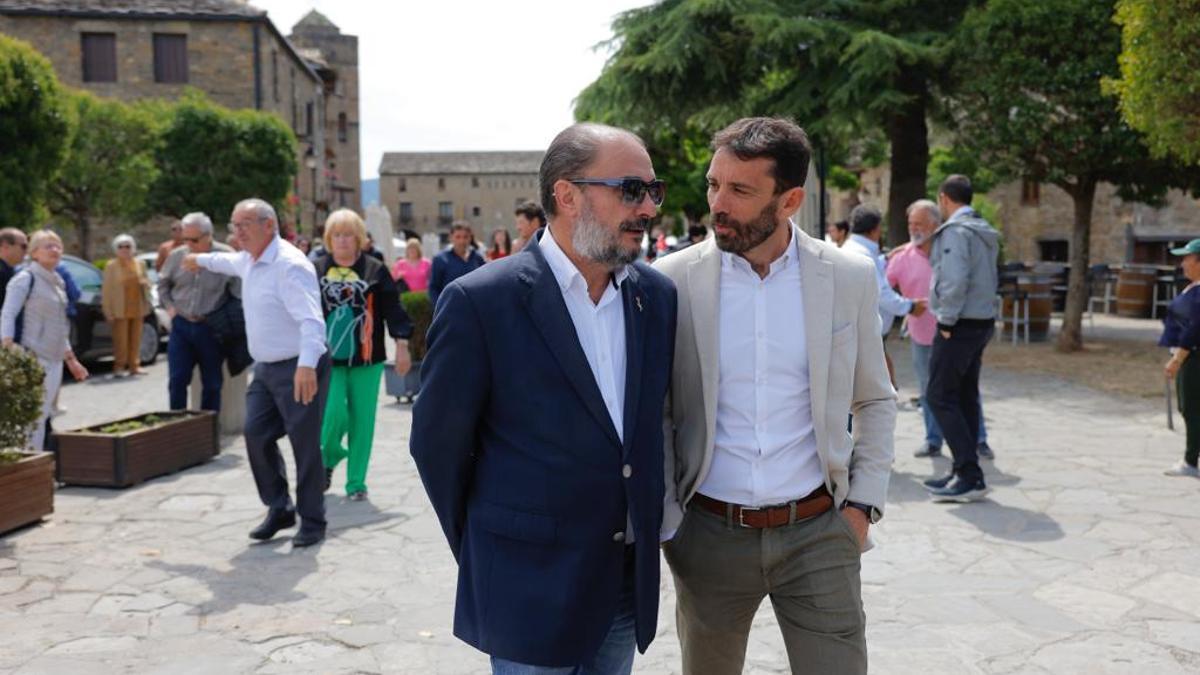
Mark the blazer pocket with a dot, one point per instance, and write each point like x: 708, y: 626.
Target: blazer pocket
x: 513, y: 524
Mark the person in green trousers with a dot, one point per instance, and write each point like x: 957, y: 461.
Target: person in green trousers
x: 361, y: 302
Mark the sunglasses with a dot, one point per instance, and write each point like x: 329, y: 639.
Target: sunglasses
x: 124, y: 246
x: 633, y: 189
x: 193, y: 240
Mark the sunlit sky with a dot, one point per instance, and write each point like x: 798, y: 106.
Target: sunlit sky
x: 454, y: 75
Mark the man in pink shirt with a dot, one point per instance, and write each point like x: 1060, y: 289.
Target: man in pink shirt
x: 909, y: 270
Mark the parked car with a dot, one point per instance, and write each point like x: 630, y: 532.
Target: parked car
x: 91, y: 336
x: 164, y: 319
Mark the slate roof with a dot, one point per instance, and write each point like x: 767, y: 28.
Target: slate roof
x: 448, y: 163
x: 166, y: 8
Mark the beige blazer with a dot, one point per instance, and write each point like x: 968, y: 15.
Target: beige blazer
x: 845, y: 364
x: 112, y: 294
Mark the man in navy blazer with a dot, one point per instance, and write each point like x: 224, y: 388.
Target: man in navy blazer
x: 538, y: 433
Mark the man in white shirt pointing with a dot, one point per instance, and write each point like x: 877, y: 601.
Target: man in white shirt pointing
x: 285, y: 330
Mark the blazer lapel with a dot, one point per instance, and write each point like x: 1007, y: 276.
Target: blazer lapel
x: 636, y: 305
x: 549, y: 313
x: 816, y: 291
x: 704, y: 290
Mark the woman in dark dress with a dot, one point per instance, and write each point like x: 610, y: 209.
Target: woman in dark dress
x: 1181, y: 332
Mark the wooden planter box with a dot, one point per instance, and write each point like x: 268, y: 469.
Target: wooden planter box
x: 26, y: 490
x: 91, y: 457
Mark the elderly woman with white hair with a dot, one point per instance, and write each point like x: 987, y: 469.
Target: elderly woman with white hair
x: 39, y: 295
x: 125, y: 299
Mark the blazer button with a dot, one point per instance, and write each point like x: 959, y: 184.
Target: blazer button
x: 627, y: 471
x: 619, y: 537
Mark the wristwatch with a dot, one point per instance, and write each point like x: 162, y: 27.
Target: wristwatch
x: 873, y: 514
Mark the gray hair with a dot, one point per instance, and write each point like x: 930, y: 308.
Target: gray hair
x: 262, y: 210
x: 198, y: 220
x: 569, y: 154
x: 930, y: 209
x: 123, y: 239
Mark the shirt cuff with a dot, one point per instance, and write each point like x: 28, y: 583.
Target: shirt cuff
x: 204, y: 260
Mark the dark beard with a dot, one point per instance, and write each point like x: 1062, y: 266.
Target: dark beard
x: 749, y: 234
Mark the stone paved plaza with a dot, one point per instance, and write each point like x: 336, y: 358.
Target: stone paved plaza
x: 1085, y: 559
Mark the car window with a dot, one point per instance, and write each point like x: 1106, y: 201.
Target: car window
x: 86, y: 275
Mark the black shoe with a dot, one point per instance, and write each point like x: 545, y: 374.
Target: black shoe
x: 274, y: 522
x: 985, y: 451
x: 928, y: 451
x: 307, y: 536
x: 328, y: 478
x: 938, y: 483
x: 961, y: 491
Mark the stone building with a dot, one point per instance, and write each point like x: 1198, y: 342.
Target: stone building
x: 427, y: 191
x: 230, y: 50
x: 1037, y: 220
x: 334, y: 57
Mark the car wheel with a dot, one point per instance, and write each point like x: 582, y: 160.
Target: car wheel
x: 148, y: 350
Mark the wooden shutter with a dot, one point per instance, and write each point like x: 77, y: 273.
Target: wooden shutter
x: 170, y: 58
x: 99, y: 57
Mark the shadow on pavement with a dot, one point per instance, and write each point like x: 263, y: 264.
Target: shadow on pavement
x: 262, y: 574
x: 1008, y: 522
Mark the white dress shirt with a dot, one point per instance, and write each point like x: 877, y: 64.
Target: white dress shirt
x: 765, y: 450
x: 280, y: 300
x: 891, y: 303
x: 600, y: 327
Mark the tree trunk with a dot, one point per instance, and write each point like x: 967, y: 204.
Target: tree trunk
x: 83, y: 225
x: 909, y: 138
x: 1070, y: 338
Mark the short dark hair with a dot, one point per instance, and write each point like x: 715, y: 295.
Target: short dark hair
x: 958, y: 188
x: 571, y: 151
x: 531, y: 211
x: 775, y: 138
x: 697, y: 231
x: 864, y: 219
x: 10, y: 235
x: 842, y: 226
x: 461, y: 225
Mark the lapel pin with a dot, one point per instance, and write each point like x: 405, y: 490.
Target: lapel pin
x: 637, y: 300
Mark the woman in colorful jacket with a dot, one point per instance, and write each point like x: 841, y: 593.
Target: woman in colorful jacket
x: 360, y: 301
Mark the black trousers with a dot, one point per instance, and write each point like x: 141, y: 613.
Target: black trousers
x: 953, y: 391
x: 271, y: 413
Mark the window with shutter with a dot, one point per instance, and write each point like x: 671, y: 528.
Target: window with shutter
x: 99, y: 57
x: 170, y: 58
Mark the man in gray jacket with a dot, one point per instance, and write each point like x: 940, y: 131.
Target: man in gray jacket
x: 962, y: 296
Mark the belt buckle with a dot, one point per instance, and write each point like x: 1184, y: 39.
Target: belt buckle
x: 742, y: 515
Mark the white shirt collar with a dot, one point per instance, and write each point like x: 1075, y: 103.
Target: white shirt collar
x: 565, y: 271
x: 791, y: 255
x: 270, y: 252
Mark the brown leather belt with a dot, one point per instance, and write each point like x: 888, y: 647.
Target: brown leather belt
x: 814, y: 504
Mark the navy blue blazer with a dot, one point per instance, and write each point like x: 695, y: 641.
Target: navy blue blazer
x: 525, y: 468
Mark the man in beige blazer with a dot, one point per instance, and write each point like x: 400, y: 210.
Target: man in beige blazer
x: 777, y: 345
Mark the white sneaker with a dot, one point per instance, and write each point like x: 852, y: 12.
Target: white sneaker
x: 1183, y: 469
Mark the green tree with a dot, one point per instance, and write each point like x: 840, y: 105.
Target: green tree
x: 109, y: 166
x: 210, y: 157
x: 1159, y: 85
x: 33, y: 130
x: 842, y: 68
x: 1031, y: 105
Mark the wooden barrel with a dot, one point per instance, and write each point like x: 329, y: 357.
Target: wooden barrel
x: 1034, y: 289
x: 1135, y: 291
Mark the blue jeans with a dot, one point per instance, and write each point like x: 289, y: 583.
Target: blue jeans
x: 933, y: 433
x: 193, y: 344
x: 615, y: 656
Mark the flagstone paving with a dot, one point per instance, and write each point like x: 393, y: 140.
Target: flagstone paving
x: 1085, y: 559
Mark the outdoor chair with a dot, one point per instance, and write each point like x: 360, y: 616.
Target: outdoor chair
x: 1099, y: 276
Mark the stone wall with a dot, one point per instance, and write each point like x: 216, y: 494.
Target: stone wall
x: 487, y: 201
x: 220, y: 63
x: 1117, y: 225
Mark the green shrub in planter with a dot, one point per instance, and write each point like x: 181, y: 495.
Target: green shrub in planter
x: 21, y: 378
x: 420, y: 310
